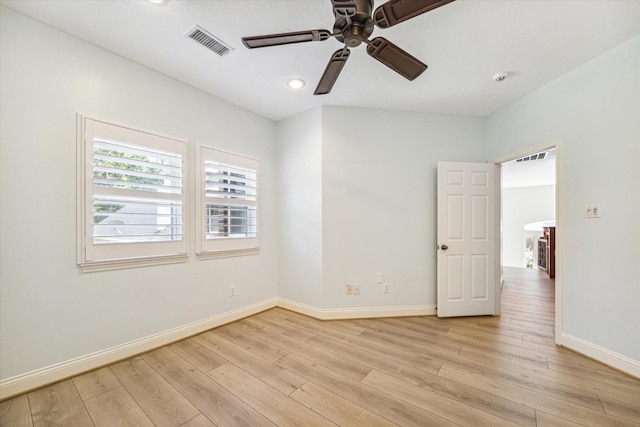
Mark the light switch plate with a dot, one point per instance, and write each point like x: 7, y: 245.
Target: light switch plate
x: 593, y: 211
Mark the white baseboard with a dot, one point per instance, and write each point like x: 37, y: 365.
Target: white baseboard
x: 41, y: 377
x: 601, y: 354
x: 32, y: 380
x: 35, y: 379
x: 356, y: 313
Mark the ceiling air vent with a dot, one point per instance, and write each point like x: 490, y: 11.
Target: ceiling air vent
x: 209, y: 41
x: 538, y: 156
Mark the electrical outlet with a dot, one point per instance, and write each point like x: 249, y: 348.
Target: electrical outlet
x: 356, y: 289
x: 349, y: 289
x: 385, y: 288
x: 593, y: 211
x: 232, y: 291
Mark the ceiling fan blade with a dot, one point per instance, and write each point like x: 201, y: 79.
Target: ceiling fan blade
x: 395, y: 11
x: 395, y: 58
x: 286, y: 38
x: 331, y: 73
x: 344, y: 8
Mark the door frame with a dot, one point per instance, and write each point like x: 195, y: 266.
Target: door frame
x: 558, y: 145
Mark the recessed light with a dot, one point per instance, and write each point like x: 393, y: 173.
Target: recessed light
x: 296, y: 83
x: 158, y: 2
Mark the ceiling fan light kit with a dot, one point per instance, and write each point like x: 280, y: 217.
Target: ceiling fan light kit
x: 355, y: 21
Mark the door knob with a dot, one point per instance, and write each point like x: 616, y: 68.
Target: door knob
x: 444, y: 247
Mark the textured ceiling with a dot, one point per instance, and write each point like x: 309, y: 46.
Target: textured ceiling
x: 464, y: 43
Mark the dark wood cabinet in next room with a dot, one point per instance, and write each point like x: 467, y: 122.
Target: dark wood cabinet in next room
x: 547, y: 251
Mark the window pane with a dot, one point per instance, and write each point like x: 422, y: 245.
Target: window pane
x: 129, y: 167
x: 132, y: 167
x: 226, y: 221
x: 230, y: 182
x: 129, y: 220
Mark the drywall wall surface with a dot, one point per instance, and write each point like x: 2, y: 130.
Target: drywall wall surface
x: 379, y: 201
x: 50, y: 311
x: 521, y: 206
x: 300, y: 208
x: 595, y: 110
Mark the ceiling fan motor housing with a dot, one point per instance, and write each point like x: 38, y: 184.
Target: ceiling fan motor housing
x: 353, y: 24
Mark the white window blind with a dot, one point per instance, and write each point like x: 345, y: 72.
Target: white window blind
x: 133, y: 197
x: 228, y: 204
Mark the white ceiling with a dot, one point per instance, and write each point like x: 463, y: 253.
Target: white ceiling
x: 464, y: 43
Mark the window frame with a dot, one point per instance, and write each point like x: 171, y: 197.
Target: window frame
x: 228, y: 247
x: 98, y: 257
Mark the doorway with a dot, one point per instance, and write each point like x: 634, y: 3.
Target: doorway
x: 528, y: 186
x: 532, y: 171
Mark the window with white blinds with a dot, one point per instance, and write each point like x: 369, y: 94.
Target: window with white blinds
x: 132, y: 197
x: 227, y: 203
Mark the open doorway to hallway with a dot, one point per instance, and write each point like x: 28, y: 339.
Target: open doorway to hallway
x: 535, y: 172
x: 528, y: 195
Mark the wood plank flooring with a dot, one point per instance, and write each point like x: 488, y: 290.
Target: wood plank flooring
x: 282, y: 368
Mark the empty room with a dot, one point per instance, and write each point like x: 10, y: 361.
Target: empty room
x: 296, y: 212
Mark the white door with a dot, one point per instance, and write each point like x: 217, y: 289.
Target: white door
x: 467, y: 239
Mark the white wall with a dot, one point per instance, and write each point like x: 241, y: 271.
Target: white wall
x: 367, y: 177
x: 379, y: 200
x: 49, y: 310
x: 521, y: 206
x: 595, y: 110
x: 300, y: 208
x: 357, y: 191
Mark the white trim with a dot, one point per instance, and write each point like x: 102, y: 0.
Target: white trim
x: 19, y: 384
x: 80, y: 188
x: 601, y: 354
x: 497, y: 252
x: 227, y: 254
x: 119, y: 264
x: 549, y: 145
x: 356, y: 313
x: 35, y: 379
x: 22, y: 383
x: 559, y: 279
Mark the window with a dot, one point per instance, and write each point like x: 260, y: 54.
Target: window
x: 227, y: 204
x: 132, y: 197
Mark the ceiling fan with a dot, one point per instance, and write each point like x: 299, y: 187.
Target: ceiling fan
x: 354, y: 23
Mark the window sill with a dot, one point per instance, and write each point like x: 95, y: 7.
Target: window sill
x: 118, y: 264
x: 226, y: 254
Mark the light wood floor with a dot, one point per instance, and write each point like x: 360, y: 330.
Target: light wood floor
x: 282, y: 368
